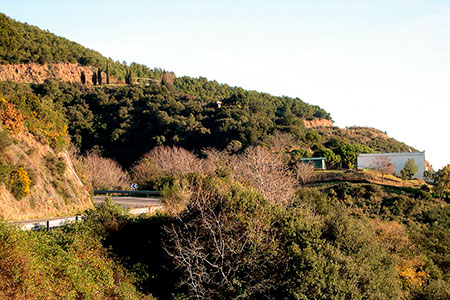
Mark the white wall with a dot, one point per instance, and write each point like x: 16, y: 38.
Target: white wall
x: 398, y: 160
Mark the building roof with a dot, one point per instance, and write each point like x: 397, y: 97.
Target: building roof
x: 393, y: 154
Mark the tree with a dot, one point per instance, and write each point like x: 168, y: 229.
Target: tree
x: 382, y: 164
x: 128, y: 77
x: 304, y: 172
x: 409, y: 170
x: 167, y: 78
x: 224, y: 244
x: 107, y: 72
x: 99, y: 76
x: 104, y: 173
x: 333, y: 160
x: 163, y: 161
x: 266, y: 172
x: 442, y: 180
x: 83, y: 77
x: 94, y: 78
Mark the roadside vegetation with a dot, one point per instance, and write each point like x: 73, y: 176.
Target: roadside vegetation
x: 66, y: 263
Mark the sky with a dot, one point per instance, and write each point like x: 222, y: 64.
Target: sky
x: 382, y: 64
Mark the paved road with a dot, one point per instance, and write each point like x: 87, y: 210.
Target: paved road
x: 131, y: 202
x: 137, y: 205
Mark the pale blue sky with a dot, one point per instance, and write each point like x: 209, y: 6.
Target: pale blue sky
x: 383, y: 64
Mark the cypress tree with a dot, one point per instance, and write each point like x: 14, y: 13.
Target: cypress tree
x: 99, y: 76
x: 94, y: 78
x: 128, y: 77
x: 107, y: 72
x: 83, y: 77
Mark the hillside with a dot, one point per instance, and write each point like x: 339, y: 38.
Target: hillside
x: 244, y: 218
x: 37, y: 176
x: 193, y: 113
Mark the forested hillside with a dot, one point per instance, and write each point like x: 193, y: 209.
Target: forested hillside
x: 23, y: 43
x: 244, y: 217
x: 125, y: 122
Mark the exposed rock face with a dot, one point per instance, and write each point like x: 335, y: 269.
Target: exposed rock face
x: 35, y: 73
x: 50, y: 194
x: 318, y: 123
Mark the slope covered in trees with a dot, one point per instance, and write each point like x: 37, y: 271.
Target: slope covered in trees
x: 124, y: 122
x: 23, y: 43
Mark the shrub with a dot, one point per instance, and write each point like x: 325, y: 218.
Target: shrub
x: 56, y: 165
x: 19, y: 183
x: 68, y: 263
x: 409, y: 170
x: 5, y: 139
x: 304, y: 172
x: 5, y: 172
x: 10, y: 117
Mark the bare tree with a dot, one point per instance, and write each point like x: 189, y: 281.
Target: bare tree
x: 217, y: 252
x: 217, y: 161
x: 266, y: 172
x: 304, y: 172
x: 280, y: 141
x: 165, y: 160
x: 104, y: 173
x: 382, y: 164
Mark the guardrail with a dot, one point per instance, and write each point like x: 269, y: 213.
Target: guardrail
x: 46, y: 224
x: 58, y: 222
x: 111, y: 192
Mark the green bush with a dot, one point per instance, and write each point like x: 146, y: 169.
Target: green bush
x: 5, y: 172
x: 68, y: 263
x: 409, y: 170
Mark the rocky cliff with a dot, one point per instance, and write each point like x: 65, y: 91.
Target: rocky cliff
x: 318, y: 123
x: 36, y: 73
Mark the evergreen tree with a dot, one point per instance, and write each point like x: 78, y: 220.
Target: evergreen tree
x: 99, y: 76
x: 94, y: 78
x: 83, y: 77
x: 409, y: 170
x: 128, y: 77
x: 107, y: 72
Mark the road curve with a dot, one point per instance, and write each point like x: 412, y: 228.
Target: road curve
x: 131, y: 202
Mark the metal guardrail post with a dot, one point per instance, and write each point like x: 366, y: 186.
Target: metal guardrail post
x: 48, y: 225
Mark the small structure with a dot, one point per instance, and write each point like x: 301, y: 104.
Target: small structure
x: 398, y: 160
x: 317, y: 162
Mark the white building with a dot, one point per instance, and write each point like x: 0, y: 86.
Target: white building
x: 366, y: 161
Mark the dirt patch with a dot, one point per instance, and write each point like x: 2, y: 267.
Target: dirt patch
x: 318, y: 123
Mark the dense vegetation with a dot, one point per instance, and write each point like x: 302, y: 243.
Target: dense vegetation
x: 67, y: 263
x: 125, y: 122
x: 225, y: 236
x: 23, y: 43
